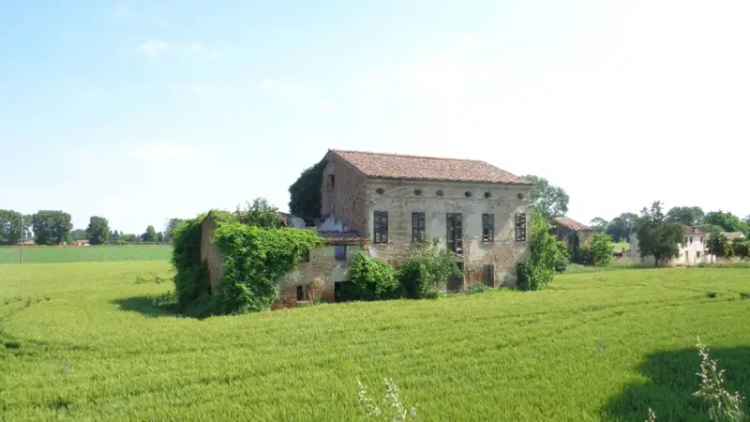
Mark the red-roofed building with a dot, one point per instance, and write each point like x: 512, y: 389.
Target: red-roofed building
x: 392, y: 202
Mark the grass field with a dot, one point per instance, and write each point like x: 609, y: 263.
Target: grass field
x: 50, y: 254
x: 88, y: 341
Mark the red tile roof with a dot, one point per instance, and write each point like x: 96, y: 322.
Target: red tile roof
x: 571, y: 224
x: 392, y: 166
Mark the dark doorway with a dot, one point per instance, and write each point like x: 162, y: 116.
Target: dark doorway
x: 456, y: 284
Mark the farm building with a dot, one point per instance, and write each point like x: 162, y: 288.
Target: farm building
x: 573, y: 233
x: 383, y: 204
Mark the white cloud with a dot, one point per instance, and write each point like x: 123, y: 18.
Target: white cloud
x: 154, y: 48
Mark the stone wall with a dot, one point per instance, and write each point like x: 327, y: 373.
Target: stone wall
x: 401, y: 198
x: 324, y: 265
x: 346, y: 199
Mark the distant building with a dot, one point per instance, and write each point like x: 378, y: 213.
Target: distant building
x: 693, y: 250
x: 573, y: 233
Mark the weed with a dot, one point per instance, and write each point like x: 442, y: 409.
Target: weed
x: 723, y: 405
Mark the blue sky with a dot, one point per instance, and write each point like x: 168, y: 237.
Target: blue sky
x: 139, y: 111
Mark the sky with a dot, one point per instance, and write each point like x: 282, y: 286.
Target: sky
x: 143, y: 111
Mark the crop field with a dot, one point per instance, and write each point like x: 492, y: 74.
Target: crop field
x: 99, y: 341
x: 108, y: 253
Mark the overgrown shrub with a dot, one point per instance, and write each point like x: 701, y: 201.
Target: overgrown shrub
x: 601, y: 250
x: 427, y: 271
x: 373, y: 279
x: 254, y: 260
x: 562, y: 258
x: 539, y: 268
x: 191, y: 279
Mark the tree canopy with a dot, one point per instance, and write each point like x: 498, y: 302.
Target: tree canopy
x: 689, y: 216
x: 98, y: 230
x: 549, y: 200
x: 622, y: 227
x: 305, y: 193
x: 171, y: 227
x: 657, y: 237
x: 727, y: 221
x: 150, y: 235
x: 261, y: 214
x: 12, y: 227
x: 51, y: 227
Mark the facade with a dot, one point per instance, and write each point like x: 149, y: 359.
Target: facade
x: 393, y: 202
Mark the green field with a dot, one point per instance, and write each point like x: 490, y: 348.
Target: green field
x: 50, y: 254
x: 88, y: 341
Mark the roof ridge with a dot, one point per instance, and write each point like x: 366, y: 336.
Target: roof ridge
x: 412, y: 156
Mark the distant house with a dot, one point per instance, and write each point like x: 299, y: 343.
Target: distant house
x: 573, y: 233
x: 693, y: 250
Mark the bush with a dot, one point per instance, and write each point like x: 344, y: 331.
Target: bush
x: 426, y: 272
x: 562, y: 258
x: 539, y: 268
x: 741, y: 248
x: 254, y: 260
x: 373, y: 279
x: 601, y: 250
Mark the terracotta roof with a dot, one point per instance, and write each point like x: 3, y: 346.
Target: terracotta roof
x: 571, y: 224
x: 393, y: 166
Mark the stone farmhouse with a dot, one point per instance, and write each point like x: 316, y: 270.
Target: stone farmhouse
x: 383, y: 204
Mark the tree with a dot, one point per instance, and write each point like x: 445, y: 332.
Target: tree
x: 115, y: 236
x: 656, y: 237
x: 51, y: 227
x: 727, y: 221
x: 549, y: 200
x: 305, y: 193
x: 261, y: 214
x: 599, y: 224
x: 719, y: 245
x: 11, y: 227
x: 689, y: 216
x: 622, y: 227
x: 544, y: 249
x: 171, y: 227
x: 601, y: 250
x: 98, y: 230
x: 150, y: 235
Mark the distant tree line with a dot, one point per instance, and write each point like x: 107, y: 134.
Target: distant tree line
x: 48, y: 227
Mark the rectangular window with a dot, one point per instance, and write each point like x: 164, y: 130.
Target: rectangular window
x: 331, y: 182
x: 488, y: 227
x: 489, y: 275
x: 455, y: 235
x: 300, y: 293
x: 520, y: 227
x: 340, y: 252
x: 418, y: 230
x: 380, y: 224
